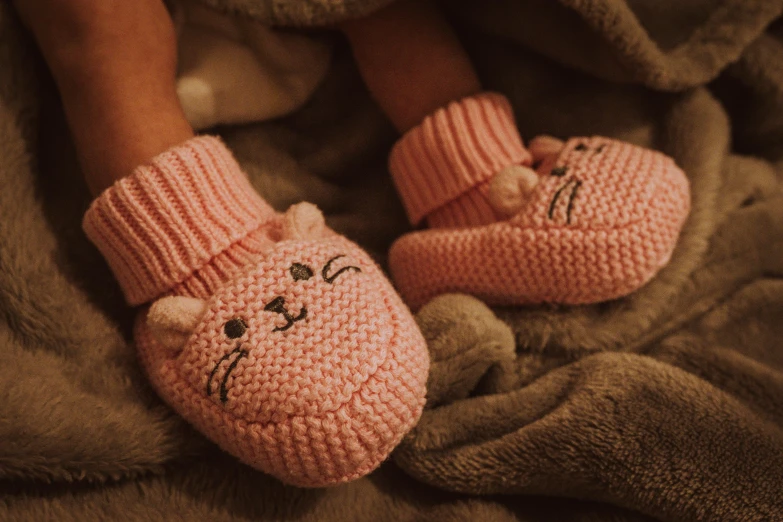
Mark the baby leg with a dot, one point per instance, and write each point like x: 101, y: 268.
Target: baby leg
x: 411, y: 61
x: 249, y: 309
x: 119, y: 99
x: 457, y: 137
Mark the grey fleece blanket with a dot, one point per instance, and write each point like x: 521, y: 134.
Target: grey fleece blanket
x: 663, y: 406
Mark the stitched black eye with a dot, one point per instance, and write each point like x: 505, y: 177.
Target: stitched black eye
x: 559, y: 171
x: 330, y: 278
x: 581, y: 147
x: 300, y: 272
x: 235, y: 328
x: 600, y: 148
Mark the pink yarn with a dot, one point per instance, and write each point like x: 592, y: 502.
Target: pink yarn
x: 176, y: 215
x: 442, y: 166
x: 328, y: 371
x: 603, y: 220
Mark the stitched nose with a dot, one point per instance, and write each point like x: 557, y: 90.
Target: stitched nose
x: 277, y: 305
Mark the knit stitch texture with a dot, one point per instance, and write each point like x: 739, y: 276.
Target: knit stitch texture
x: 442, y: 167
x: 305, y: 362
x: 603, y: 220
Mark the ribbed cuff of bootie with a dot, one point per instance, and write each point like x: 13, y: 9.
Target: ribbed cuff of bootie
x: 172, y: 216
x: 453, y: 150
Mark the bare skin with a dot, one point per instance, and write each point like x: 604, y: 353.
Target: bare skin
x: 114, y: 62
x: 410, y: 60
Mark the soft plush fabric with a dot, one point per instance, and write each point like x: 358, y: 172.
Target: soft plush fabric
x: 234, y: 70
x: 662, y: 406
x: 302, y: 360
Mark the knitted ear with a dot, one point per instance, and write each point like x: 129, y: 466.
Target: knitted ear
x: 509, y: 189
x: 303, y: 221
x: 171, y: 320
x: 544, y: 147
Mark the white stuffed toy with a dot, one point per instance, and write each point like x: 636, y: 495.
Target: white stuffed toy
x: 234, y: 70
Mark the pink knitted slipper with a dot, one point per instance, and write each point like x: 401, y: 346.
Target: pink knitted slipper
x: 274, y: 336
x: 602, y: 221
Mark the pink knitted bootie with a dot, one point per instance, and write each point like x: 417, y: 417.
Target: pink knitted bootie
x: 278, y: 339
x: 601, y: 219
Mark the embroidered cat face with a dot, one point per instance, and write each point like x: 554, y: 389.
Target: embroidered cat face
x: 237, y: 327
x: 585, y: 183
x: 306, y: 365
x: 297, y: 334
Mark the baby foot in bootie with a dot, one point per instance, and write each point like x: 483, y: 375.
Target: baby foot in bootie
x: 277, y: 338
x: 465, y: 165
x: 601, y: 221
